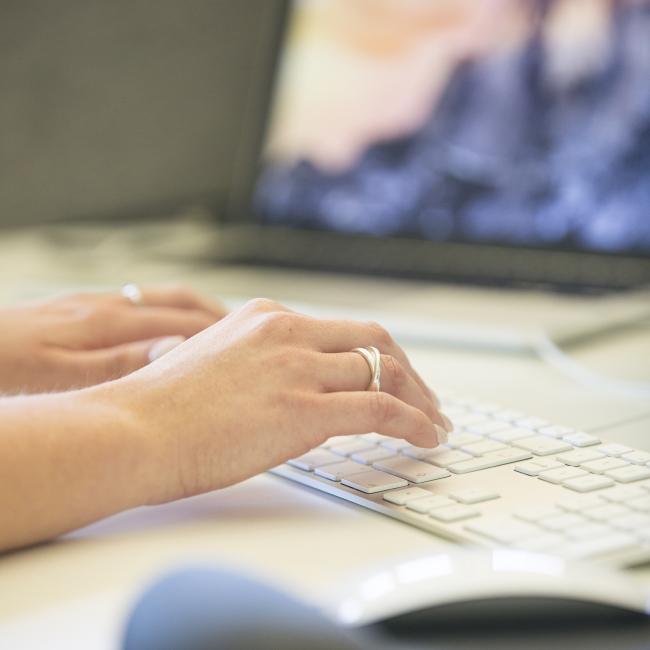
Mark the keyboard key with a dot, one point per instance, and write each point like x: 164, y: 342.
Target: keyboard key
x: 485, y: 407
x: 508, y: 415
x: 375, y: 438
x: 504, y: 530
x: 613, y: 449
x: 426, y: 505
x: 629, y: 473
x: 588, y: 531
x: 487, y: 427
x: 402, y: 497
x: 483, y: 447
x: 338, y: 440
x: 337, y: 471
x: 597, y: 546
x: 419, y: 453
x: 535, y: 513
x: 510, y: 434
x: 531, y: 423
x: 453, y: 410
x: 542, y: 446
x: 580, y: 503
x: 562, y: 522
x: 579, y: 456
x: 396, y: 444
x: 606, y: 512
x: 534, y: 467
x: 493, y: 459
x: 580, y: 439
x: 373, y: 481
x: 640, y: 503
x: 630, y: 522
x: 446, y: 457
x: 352, y: 447
x: 460, y: 439
x: 412, y: 470
x: 313, y: 459
x: 562, y: 474
x: 644, y: 533
x: 556, y: 432
x: 454, y: 513
x: 545, y: 542
x: 637, y: 457
x: 624, y: 493
x: 371, y: 455
x: 602, y: 465
x: 474, y: 495
x: 467, y: 419
x: 588, y: 483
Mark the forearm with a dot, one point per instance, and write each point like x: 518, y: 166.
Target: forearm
x: 66, y: 460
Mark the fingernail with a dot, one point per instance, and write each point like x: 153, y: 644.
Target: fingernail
x: 448, y: 423
x: 163, y: 346
x: 442, y: 434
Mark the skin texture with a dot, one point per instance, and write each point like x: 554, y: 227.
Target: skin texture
x: 260, y: 386
x: 84, y: 339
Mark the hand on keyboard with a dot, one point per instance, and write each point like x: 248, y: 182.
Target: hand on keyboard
x: 502, y: 478
x: 266, y: 384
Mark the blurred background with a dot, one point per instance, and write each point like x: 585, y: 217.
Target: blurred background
x: 112, y: 113
x: 121, y: 108
x: 517, y: 122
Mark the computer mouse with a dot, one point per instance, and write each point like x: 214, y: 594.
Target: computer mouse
x: 216, y: 608
x: 486, y: 587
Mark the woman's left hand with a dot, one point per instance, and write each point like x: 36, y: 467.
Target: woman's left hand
x: 88, y: 338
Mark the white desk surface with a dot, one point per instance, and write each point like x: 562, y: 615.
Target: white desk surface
x: 74, y: 592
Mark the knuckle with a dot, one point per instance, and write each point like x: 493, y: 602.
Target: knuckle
x: 281, y: 324
x: 380, y: 335
x: 418, y: 426
x: 429, y: 410
x: 394, y: 371
x: 261, y: 305
x: 98, y: 316
x: 181, y: 292
x: 382, y: 407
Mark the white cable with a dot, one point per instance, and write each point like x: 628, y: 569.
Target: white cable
x: 552, y: 354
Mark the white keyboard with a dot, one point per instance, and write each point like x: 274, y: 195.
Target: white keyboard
x: 503, y: 479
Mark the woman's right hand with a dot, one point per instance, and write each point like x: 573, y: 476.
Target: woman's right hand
x: 262, y: 386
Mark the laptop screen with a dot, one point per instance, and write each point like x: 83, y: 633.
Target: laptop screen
x: 517, y: 122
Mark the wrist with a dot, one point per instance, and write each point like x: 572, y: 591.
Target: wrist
x: 145, y: 451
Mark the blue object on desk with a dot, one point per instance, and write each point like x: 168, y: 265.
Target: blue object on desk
x: 210, y: 609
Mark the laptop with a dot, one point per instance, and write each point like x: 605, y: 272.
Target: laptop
x: 502, y: 144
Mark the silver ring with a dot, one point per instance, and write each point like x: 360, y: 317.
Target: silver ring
x: 373, y: 358
x: 132, y: 293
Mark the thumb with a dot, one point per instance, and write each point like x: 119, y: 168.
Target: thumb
x: 119, y: 360
x: 164, y: 345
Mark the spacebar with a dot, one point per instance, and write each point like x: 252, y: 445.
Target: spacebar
x: 493, y: 459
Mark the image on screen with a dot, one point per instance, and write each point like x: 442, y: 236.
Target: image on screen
x: 519, y: 122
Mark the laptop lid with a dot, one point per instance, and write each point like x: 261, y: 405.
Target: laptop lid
x: 483, y: 140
